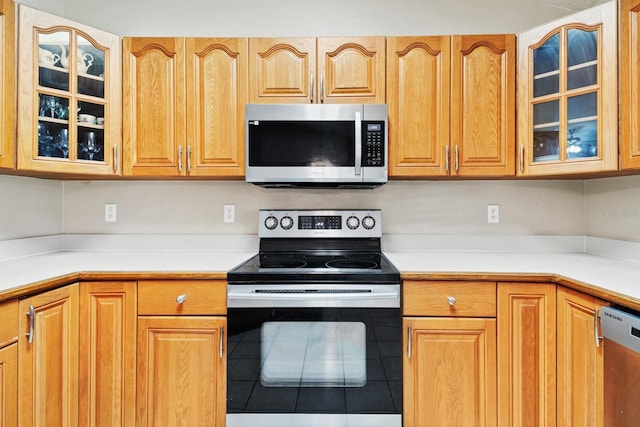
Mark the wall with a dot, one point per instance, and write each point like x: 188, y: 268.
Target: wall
x: 249, y: 18
x: 409, y: 207
x: 613, y: 208
x: 30, y: 207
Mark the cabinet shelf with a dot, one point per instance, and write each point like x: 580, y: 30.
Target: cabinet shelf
x: 53, y: 120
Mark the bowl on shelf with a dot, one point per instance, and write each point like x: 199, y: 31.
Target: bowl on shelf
x: 87, y: 118
x: 100, y: 120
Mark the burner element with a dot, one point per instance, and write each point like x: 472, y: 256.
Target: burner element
x: 351, y: 263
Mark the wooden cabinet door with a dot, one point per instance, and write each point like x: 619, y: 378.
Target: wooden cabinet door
x: 351, y: 70
x: 629, y: 84
x: 48, y: 374
x: 9, y: 385
x: 418, y: 82
x: 568, y: 94
x: 181, y: 371
x: 449, y: 372
x: 69, y: 96
x: 526, y: 354
x: 580, y: 361
x: 282, y: 70
x: 7, y: 83
x: 483, y: 105
x: 107, y: 358
x: 217, y: 80
x: 154, y: 106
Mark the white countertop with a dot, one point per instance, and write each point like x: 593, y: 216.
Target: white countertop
x: 610, y: 274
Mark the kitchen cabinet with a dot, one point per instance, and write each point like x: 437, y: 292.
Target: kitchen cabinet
x: 527, y: 354
x: 107, y: 355
x: 181, y: 353
x: 568, y: 95
x: 580, y: 360
x: 451, y: 105
x: 69, y: 96
x: 9, y: 363
x: 48, y: 358
x: 7, y: 85
x: 183, y: 106
x: 629, y: 84
x: 449, y: 362
x: 317, y: 70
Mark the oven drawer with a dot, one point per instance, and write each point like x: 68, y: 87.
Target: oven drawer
x: 442, y: 298
x: 175, y: 297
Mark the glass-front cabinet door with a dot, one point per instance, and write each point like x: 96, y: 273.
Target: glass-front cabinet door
x: 69, y: 96
x: 567, y: 112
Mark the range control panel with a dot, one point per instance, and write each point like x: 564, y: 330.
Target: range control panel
x: 320, y: 223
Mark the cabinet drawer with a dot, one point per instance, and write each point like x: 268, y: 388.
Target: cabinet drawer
x: 8, y: 322
x: 439, y: 298
x: 175, y: 297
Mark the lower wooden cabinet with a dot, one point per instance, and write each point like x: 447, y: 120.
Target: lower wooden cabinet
x: 9, y: 363
x: 580, y: 360
x: 181, y: 371
x: 527, y: 354
x: 107, y: 354
x: 48, y: 359
x: 449, y: 363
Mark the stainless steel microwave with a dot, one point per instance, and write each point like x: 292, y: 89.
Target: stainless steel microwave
x: 316, y: 145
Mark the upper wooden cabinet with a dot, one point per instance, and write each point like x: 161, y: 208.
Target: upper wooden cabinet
x: 7, y: 85
x: 567, y: 99
x: 183, y: 106
x: 451, y: 105
x: 322, y: 70
x: 69, y: 96
x: 629, y: 84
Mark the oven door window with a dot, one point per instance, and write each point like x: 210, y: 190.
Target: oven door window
x: 304, y: 143
x: 313, y: 354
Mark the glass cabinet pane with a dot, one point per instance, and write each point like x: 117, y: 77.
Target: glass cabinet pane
x: 546, y: 131
x: 53, y: 60
x: 582, y: 126
x: 90, y: 63
x: 546, y: 67
x: 90, y: 131
x: 582, y: 58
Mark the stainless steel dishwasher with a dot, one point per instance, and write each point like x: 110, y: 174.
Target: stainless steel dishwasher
x: 621, y: 331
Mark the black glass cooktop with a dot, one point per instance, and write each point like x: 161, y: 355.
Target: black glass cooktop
x: 306, y: 262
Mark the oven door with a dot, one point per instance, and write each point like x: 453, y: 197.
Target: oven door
x: 314, y: 356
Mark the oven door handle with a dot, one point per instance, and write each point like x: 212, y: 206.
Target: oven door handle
x: 309, y: 294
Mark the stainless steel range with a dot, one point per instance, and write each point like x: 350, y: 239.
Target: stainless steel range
x: 314, y: 324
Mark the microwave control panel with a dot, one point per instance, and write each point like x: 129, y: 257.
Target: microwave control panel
x: 373, y: 144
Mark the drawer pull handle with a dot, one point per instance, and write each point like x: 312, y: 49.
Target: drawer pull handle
x: 181, y: 298
x: 451, y: 301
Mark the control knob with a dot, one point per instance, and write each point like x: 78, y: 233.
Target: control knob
x: 271, y: 222
x: 353, y: 222
x: 368, y: 222
x: 286, y: 222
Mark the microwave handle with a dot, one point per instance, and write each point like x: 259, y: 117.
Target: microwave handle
x: 358, y: 168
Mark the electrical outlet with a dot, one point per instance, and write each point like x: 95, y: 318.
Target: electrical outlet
x: 110, y: 212
x: 493, y: 214
x: 229, y: 213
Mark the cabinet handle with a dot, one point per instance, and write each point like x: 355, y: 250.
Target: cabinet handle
x: 456, y: 158
x: 321, y: 88
x: 596, y: 329
x: 521, y: 157
x: 221, y: 342
x: 446, y: 158
x: 188, y: 158
x: 451, y: 301
x: 311, y: 87
x: 181, y: 298
x: 32, y: 319
x: 409, y: 342
x: 180, y: 158
x: 115, y: 158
